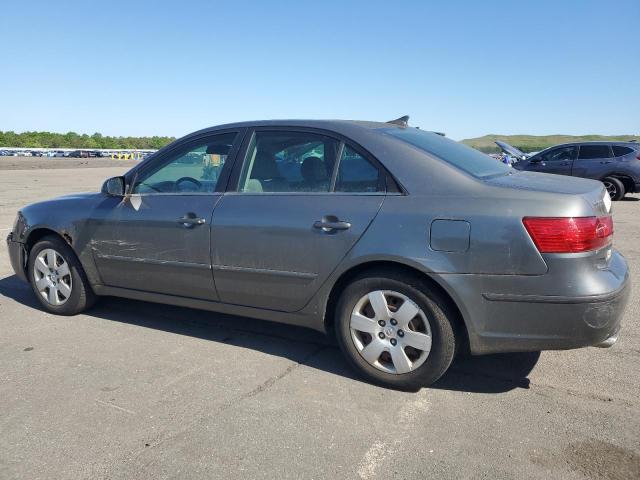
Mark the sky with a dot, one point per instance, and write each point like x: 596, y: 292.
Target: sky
x: 467, y: 68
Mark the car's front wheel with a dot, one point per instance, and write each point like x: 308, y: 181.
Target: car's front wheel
x: 57, y: 277
x: 395, y: 330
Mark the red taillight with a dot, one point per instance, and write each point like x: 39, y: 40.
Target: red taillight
x: 569, y: 234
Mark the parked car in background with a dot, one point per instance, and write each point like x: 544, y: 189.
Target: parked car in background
x: 406, y: 245
x: 511, y: 152
x: 78, y: 154
x: 616, y: 164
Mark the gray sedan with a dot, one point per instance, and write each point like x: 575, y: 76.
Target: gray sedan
x: 405, y: 245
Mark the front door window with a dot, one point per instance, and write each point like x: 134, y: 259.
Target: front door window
x: 194, y: 169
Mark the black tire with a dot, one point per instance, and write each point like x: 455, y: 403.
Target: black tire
x: 615, y: 188
x: 438, y: 314
x: 81, y: 297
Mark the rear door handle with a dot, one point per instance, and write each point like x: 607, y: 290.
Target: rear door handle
x: 190, y: 221
x: 604, y: 162
x: 330, y: 223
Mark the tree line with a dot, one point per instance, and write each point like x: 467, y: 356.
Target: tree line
x: 80, y: 141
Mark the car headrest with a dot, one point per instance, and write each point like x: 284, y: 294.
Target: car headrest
x: 313, y: 169
x: 218, y: 149
x: 264, y: 166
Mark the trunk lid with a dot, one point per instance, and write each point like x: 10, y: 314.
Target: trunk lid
x: 511, y: 150
x: 591, y: 190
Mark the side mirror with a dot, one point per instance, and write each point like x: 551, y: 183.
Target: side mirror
x: 114, y: 186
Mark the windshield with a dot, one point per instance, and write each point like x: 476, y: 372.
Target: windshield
x: 465, y: 158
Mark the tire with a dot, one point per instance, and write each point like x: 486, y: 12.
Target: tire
x: 72, y: 293
x: 434, y: 318
x: 615, y: 188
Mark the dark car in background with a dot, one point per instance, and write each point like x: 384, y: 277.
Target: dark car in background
x: 616, y: 164
x: 78, y: 154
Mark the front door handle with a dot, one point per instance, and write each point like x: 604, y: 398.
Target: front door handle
x: 604, y: 162
x: 331, y: 223
x: 190, y: 220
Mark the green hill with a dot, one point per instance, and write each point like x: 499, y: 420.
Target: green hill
x: 533, y: 143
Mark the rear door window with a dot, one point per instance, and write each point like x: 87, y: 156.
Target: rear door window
x: 620, y: 151
x: 281, y: 161
x: 588, y: 152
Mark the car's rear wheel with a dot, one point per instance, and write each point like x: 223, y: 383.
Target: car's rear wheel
x: 57, y: 278
x: 615, y: 188
x: 395, y: 330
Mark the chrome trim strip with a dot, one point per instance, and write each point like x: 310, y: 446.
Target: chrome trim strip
x: 507, y: 297
x: 266, y: 271
x: 153, y: 261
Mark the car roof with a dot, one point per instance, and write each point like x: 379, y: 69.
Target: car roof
x: 340, y: 126
x: 597, y: 142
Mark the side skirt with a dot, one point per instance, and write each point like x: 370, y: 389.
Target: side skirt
x: 298, y: 319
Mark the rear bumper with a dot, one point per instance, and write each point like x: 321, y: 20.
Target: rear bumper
x: 17, y: 256
x: 553, y: 323
x: 510, y: 321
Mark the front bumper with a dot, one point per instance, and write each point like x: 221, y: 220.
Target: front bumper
x: 17, y: 256
x: 511, y: 321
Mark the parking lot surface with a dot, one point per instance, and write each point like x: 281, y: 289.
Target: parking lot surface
x: 137, y: 390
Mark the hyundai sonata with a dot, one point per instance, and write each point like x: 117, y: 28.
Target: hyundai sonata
x: 406, y: 245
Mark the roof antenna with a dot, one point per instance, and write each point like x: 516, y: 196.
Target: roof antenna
x: 402, y: 121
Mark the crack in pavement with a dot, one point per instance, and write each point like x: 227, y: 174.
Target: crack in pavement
x: 586, y: 396
x: 270, y: 381
x: 160, y: 440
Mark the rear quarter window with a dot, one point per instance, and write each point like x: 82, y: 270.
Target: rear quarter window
x: 460, y: 156
x: 620, y: 151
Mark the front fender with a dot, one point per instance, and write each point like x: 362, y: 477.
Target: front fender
x: 66, y: 217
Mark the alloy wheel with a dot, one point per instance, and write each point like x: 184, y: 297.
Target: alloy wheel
x: 52, y: 277
x: 611, y: 188
x: 390, y: 331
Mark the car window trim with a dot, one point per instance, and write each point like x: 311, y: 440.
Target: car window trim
x: 233, y: 183
x: 190, y: 140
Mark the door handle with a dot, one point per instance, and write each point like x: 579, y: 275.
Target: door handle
x: 331, y: 223
x: 190, y: 220
x: 604, y: 162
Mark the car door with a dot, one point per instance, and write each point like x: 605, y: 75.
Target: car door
x: 594, y: 161
x: 301, y: 201
x: 558, y: 160
x: 158, y: 238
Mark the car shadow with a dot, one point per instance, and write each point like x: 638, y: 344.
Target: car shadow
x: 483, y: 374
